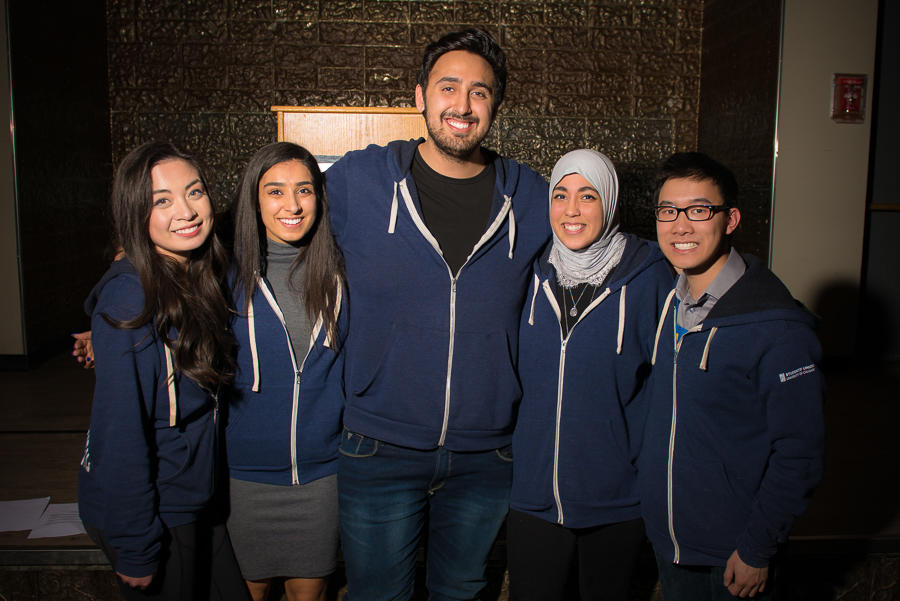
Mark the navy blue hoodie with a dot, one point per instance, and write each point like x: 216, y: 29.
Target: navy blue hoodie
x: 580, y: 421
x: 734, y: 437
x: 430, y: 358
x: 284, y: 412
x: 149, y: 459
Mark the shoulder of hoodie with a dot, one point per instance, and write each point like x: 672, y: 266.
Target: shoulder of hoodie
x: 398, y: 152
x: 641, y: 257
x: 119, y: 293
x: 527, y: 187
x: 759, y: 295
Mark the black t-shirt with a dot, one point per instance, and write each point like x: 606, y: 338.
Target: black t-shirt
x: 456, y: 211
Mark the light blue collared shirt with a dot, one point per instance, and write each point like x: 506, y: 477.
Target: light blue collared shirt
x: 692, y: 312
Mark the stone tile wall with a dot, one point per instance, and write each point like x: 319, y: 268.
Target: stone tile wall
x: 738, y: 103
x: 622, y: 76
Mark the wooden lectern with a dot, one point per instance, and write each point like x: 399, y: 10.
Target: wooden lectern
x: 330, y: 131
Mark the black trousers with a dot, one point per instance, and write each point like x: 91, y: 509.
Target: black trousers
x: 197, y: 563
x: 549, y: 562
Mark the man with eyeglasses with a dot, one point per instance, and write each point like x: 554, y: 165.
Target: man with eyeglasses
x: 734, y: 438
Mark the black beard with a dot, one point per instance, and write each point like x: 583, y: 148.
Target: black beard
x: 458, y: 148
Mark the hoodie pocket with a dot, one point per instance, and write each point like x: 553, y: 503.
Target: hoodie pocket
x: 709, y: 515
x: 485, y: 386
x: 176, y: 452
x: 594, y: 469
x: 258, y: 429
x: 406, y: 364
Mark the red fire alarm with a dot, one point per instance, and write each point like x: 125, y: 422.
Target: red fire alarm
x: 848, y: 98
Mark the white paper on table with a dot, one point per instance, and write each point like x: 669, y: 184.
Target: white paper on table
x: 59, y: 519
x: 24, y: 514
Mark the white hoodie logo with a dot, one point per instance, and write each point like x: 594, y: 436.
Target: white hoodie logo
x: 796, y: 373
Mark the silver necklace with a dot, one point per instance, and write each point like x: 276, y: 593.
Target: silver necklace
x: 574, y: 310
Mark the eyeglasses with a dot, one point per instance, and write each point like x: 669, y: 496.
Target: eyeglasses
x: 667, y: 213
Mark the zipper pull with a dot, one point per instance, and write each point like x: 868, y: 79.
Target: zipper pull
x: 299, y: 375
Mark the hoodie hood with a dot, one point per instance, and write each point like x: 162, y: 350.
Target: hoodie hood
x: 758, y: 290
x: 758, y: 296
x: 116, y: 268
x: 507, y: 181
x: 120, y: 267
x: 638, y: 255
x: 405, y: 152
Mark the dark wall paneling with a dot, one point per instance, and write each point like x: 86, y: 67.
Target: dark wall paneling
x: 880, y: 333
x: 622, y: 76
x: 738, y: 103
x: 62, y: 161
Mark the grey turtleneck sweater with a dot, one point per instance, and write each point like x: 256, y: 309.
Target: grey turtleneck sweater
x: 278, y: 264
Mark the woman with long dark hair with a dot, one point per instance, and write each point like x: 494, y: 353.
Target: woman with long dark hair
x: 159, y: 321
x: 284, y: 417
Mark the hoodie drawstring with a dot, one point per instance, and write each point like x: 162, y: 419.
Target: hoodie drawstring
x: 254, y: 354
x: 170, y: 383
x: 621, y: 333
x: 537, y: 283
x: 659, y: 327
x: 512, y: 230
x: 394, y: 206
x: 704, y: 359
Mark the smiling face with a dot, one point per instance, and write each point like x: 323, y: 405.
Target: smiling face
x: 287, y: 202
x: 182, y: 216
x: 457, y: 103
x: 698, y: 248
x: 576, y: 212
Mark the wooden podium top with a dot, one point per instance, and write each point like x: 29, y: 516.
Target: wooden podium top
x: 330, y: 131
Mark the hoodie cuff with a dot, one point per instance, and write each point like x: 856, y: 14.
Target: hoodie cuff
x: 753, y: 553
x: 136, y: 570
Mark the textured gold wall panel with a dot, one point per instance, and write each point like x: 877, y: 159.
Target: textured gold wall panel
x: 621, y: 76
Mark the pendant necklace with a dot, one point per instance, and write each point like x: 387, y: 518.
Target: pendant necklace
x: 574, y: 310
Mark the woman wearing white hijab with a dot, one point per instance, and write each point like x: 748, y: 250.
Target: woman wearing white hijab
x: 584, y: 349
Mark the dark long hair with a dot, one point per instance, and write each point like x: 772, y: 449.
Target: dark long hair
x: 187, y: 297
x: 698, y: 167
x: 324, y: 263
x: 477, y: 41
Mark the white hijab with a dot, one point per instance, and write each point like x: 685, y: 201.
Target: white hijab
x: 593, y: 263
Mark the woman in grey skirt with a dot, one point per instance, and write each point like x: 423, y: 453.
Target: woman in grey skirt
x: 284, y: 414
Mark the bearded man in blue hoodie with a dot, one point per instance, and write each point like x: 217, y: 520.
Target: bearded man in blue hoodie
x: 733, y: 442
x: 439, y: 236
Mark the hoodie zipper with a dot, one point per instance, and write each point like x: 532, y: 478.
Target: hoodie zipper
x: 298, y: 373
x: 564, y: 341
x: 671, y: 458
x: 420, y: 225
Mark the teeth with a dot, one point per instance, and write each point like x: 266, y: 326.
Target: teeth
x: 685, y: 245
x: 573, y: 227
x: 188, y: 230
x: 293, y: 221
x: 459, y: 124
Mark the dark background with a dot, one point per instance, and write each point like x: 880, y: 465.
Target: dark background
x: 90, y: 82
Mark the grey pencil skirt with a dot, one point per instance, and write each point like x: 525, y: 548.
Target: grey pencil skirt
x: 284, y: 531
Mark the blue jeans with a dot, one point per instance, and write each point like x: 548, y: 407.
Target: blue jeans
x: 388, y: 495
x: 702, y: 583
